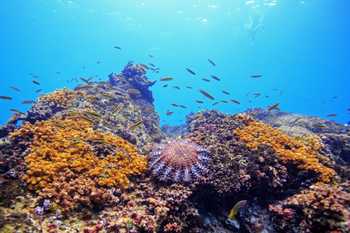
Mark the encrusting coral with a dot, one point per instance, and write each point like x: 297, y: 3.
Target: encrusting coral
x: 62, y: 98
x: 303, y: 150
x: 321, y: 208
x: 73, y: 164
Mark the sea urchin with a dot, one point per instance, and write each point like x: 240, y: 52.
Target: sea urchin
x: 179, y: 160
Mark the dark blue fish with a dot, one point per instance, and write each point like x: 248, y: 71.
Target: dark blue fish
x: 211, y: 62
x: 190, y: 71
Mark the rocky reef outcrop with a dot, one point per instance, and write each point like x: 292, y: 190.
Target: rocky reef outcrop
x: 94, y: 159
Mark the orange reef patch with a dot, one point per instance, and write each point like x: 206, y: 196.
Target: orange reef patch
x: 303, y: 150
x: 62, y: 98
x: 71, y: 163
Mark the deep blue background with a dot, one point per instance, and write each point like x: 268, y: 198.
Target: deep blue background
x: 301, y: 48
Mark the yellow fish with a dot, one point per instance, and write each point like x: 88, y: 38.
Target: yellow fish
x: 235, y: 209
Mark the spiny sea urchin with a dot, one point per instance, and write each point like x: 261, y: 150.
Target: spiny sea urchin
x: 179, y: 160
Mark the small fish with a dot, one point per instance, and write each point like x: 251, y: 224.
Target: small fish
x: 16, y: 111
x: 332, y: 115
x: 169, y: 113
x: 182, y: 106
x: 211, y: 62
x: 274, y: 107
x: 216, y: 103
x: 98, y: 62
x: 176, y: 87
x: 91, y: 113
x: 256, y: 95
x: 3, y: 97
x: 39, y: 90
x: 215, y: 77
x: 15, y: 88
x: 87, y: 81
x: 150, y: 55
x: 166, y: 85
x: 188, y: 87
x: 206, y: 94
x: 232, y: 215
x: 144, y: 66
x: 235, y: 101
x: 205, y: 79
x: 151, y: 64
x: 58, y: 72
x: 190, y: 71
x: 109, y: 96
x: 134, y: 126
x: 224, y: 101
x: 348, y: 109
x: 166, y: 79
x: 35, y: 82
x: 226, y: 92
x: 117, y: 47
x: 256, y: 76
x: 175, y: 105
x: 199, y: 102
x: 28, y: 102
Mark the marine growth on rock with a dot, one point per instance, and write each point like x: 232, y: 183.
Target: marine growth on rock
x: 178, y: 160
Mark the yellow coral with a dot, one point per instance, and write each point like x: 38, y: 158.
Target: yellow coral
x: 62, y: 98
x: 70, y: 147
x: 303, y: 151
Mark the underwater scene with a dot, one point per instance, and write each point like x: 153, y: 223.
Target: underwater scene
x: 174, y: 116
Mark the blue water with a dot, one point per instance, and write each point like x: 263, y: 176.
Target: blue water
x: 300, y: 47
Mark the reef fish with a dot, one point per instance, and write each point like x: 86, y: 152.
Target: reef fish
x: 15, y: 88
x: 190, y: 71
x: 205, y: 79
x: 35, y: 82
x: 169, y: 113
x: 274, y: 107
x: 188, y: 87
x: 87, y: 81
x: 206, y: 94
x: 235, y: 101
x: 175, y: 105
x: 332, y: 115
x: 39, y: 90
x: 117, y: 47
x: 3, y: 97
x: 182, y: 106
x: 215, y: 77
x: 134, y: 126
x: 256, y: 76
x: 28, y: 102
x: 176, y: 87
x: 166, y: 79
x: 232, y: 215
x: 199, y: 101
x: 16, y: 111
x: 166, y: 85
x: 226, y: 92
x: 211, y: 62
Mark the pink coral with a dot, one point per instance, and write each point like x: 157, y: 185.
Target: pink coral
x: 178, y: 160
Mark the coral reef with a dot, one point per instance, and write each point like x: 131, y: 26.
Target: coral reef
x: 69, y: 161
x: 302, y: 151
x: 321, y: 208
x: 178, y: 160
x: 234, y: 168
x: 74, y: 163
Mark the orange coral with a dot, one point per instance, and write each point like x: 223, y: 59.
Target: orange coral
x: 62, y: 98
x: 303, y: 151
x: 65, y: 150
